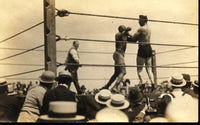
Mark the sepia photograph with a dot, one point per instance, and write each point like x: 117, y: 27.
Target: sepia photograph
x: 91, y: 61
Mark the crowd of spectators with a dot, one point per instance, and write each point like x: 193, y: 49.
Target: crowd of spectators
x: 174, y: 100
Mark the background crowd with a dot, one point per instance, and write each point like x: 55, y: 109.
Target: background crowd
x: 173, y: 100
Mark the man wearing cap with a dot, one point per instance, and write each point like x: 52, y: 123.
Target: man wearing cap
x: 30, y: 111
x: 144, y: 55
x: 9, y: 105
x: 61, y: 93
x: 74, y: 63
x: 120, y: 47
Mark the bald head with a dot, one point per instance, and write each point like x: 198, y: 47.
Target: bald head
x: 76, y: 44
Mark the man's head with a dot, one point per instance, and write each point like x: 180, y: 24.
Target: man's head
x: 64, y: 78
x: 47, y: 78
x: 76, y: 44
x: 142, y: 20
x: 121, y: 28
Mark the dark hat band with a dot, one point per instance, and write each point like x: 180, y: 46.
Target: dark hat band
x: 117, y: 105
x: 2, y: 83
x: 61, y: 115
x: 176, y: 83
x: 101, y: 99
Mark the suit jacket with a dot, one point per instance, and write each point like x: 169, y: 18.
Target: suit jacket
x: 60, y: 93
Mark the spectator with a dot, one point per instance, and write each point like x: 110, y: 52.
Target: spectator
x: 30, y: 111
x: 9, y: 105
x: 89, y: 105
x: 177, y: 82
x: 194, y: 90
x: 135, y: 98
x: 18, y: 85
x: 140, y: 117
x: 74, y: 59
x: 186, y: 77
x: 162, y: 102
x: 61, y: 93
x: 195, y: 86
x: 29, y: 85
x: 182, y: 109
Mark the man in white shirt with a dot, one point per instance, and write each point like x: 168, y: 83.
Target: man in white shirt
x: 72, y: 64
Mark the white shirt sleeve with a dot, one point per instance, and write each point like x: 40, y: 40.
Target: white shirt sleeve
x: 74, y: 54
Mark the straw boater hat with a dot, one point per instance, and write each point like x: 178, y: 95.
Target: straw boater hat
x: 103, y: 96
x: 177, y: 80
x: 165, y: 95
x: 11, y: 91
x: 195, y: 83
x: 3, y: 82
x: 117, y: 101
x: 47, y: 77
x: 62, y: 111
x: 110, y: 115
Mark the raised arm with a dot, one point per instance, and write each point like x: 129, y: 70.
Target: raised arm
x: 136, y: 36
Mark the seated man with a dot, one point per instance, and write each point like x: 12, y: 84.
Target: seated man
x: 60, y: 93
x: 9, y: 105
x: 30, y: 111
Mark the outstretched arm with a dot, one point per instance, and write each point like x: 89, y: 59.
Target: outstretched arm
x: 136, y: 36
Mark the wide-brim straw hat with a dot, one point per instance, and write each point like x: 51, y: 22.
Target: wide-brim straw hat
x: 103, y: 96
x: 47, y: 77
x: 118, y: 101
x: 62, y: 111
x: 13, y: 93
x: 76, y: 118
x: 110, y: 115
x: 3, y: 82
x: 177, y: 80
x: 195, y: 83
x: 166, y: 94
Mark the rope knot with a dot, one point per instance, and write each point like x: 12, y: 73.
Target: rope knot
x: 62, y: 13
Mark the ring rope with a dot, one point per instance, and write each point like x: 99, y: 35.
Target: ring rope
x: 4, y: 40
x: 60, y: 64
x: 22, y: 52
x: 64, y: 12
x: 67, y: 51
x: 18, y: 64
x: 103, y: 65
x: 175, y: 50
x: 92, y: 79
x: 111, y: 41
x: 180, y: 63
